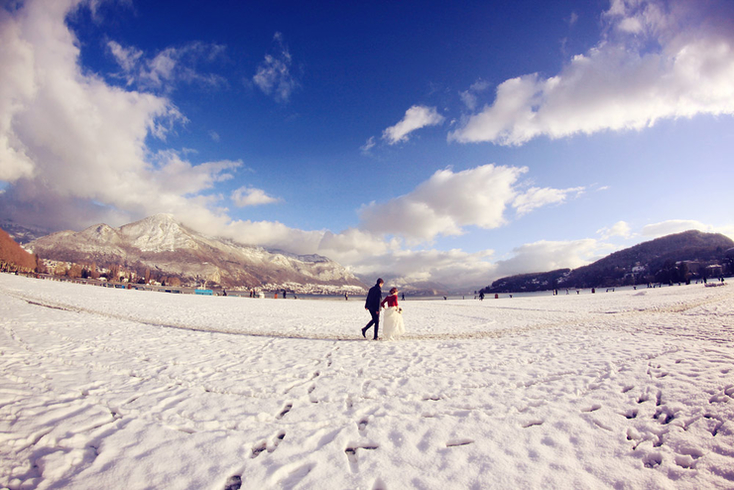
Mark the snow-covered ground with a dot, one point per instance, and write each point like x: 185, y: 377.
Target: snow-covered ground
x: 113, y: 389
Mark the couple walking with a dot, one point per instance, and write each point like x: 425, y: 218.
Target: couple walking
x: 393, y: 325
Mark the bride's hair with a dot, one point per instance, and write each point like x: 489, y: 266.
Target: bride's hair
x: 393, y: 290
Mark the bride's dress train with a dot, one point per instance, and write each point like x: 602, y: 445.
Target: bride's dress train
x: 393, y: 325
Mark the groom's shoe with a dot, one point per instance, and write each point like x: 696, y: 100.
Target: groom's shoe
x: 363, y: 332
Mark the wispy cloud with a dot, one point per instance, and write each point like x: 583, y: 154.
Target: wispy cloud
x: 663, y: 228
x: 369, y: 144
x: 169, y: 67
x: 655, y: 60
x: 274, y: 75
x: 470, y: 96
x: 415, y: 118
x: 537, y: 197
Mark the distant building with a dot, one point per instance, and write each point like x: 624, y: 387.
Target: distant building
x: 714, y: 270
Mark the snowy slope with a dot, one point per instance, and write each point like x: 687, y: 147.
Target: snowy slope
x: 106, y: 388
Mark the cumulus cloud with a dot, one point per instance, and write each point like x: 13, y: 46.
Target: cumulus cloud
x: 450, y: 267
x: 543, y: 256
x: 249, y: 196
x: 450, y: 201
x: 620, y: 229
x: 73, y: 147
x: 656, y: 59
x: 274, y: 75
x: 415, y: 118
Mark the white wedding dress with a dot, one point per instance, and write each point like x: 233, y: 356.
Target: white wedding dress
x: 393, y: 325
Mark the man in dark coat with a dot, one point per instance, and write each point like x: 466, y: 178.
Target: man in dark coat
x: 374, y: 297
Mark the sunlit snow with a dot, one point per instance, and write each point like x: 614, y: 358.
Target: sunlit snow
x: 109, y: 388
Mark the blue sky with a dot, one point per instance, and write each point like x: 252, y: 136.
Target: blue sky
x: 421, y: 141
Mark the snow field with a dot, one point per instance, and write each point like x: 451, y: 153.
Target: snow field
x: 106, y: 388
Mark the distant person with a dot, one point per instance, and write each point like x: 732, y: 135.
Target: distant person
x: 393, y: 325
x: 346, y: 296
x: 402, y: 295
x: 372, y: 305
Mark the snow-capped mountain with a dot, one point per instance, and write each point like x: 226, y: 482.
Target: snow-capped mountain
x: 161, y: 244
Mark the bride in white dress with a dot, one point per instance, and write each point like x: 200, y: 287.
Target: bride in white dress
x: 393, y: 324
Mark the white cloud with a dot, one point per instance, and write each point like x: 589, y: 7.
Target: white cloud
x: 469, y: 97
x: 369, y: 144
x: 73, y: 147
x: 249, y: 196
x: 656, y: 60
x: 544, y: 256
x: 537, y: 197
x: 669, y: 227
x: 415, y: 118
x: 448, y: 202
x: 17, y: 88
x: 620, y: 229
x: 168, y: 67
x: 274, y: 75
x: 445, y: 203
x: 573, y: 19
x: 127, y: 58
x: 455, y: 268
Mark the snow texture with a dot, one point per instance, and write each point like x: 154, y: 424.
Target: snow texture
x: 108, y: 388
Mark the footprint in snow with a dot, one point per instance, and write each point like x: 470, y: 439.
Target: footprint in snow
x: 630, y: 414
x: 351, y: 452
x: 459, y: 442
x: 285, y: 410
x: 256, y: 450
x: 264, y: 446
x: 234, y: 482
x: 653, y: 460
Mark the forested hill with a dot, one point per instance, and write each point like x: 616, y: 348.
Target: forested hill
x: 673, y: 258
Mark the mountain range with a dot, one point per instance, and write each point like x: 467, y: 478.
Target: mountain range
x: 673, y: 258
x: 162, y: 246
x: 159, y: 246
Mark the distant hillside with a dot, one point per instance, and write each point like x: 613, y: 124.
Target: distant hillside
x: 673, y: 258
x: 22, y: 234
x: 13, y: 256
x: 159, y: 246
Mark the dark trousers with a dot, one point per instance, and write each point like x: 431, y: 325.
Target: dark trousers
x: 375, y: 321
